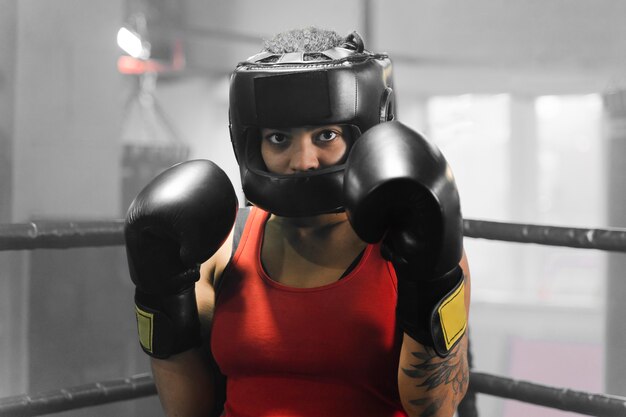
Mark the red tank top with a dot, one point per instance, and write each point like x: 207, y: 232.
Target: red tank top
x: 328, y: 351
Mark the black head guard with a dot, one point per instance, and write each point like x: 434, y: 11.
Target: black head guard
x: 345, y: 85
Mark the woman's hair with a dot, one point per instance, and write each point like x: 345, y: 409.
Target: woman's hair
x: 309, y: 39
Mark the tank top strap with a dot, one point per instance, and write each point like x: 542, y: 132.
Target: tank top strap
x: 251, y: 232
x: 248, y: 226
x: 240, y: 223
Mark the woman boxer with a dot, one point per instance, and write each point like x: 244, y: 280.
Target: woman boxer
x: 348, y: 291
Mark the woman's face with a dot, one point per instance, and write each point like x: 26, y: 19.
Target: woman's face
x: 291, y: 150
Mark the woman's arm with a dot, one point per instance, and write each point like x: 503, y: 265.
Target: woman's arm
x: 186, y: 383
x: 428, y: 384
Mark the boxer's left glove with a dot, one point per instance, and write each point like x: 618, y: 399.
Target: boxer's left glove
x: 400, y: 189
x: 179, y: 220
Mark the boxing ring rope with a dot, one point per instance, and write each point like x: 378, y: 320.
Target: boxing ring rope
x: 612, y: 240
x: 138, y: 386
x: 81, y: 396
x: 60, y: 235
x: 65, y: 235
x: 561, y: 398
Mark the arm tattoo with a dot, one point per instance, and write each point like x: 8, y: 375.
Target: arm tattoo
x: 432, y: 372
x: 431, y: 407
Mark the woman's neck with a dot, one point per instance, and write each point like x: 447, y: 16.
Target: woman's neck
x: 309, y: 251
x: 308, y: 225
x: 315, y: 234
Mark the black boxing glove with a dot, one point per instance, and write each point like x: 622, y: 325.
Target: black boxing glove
x: 179, y: 220
x: 398, y: 188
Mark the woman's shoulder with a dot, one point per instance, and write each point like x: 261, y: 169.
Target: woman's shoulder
x: 212, y: 269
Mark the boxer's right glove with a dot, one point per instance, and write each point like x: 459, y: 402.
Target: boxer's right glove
x: 179, y: 220
x: 399, y: 189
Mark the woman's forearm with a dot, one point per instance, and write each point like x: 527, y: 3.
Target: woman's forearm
x: 430, y: 385
x: 185, y: 384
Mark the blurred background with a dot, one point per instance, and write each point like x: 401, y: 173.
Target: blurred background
x: 526, y: 100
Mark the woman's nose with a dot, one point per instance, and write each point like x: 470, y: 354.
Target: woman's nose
x: 304, y: 156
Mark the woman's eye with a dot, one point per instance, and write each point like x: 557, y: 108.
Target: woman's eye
x: 276, y: 138
x: 327, y: 135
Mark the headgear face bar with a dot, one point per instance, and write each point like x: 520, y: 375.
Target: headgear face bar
x: 346, y: 85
